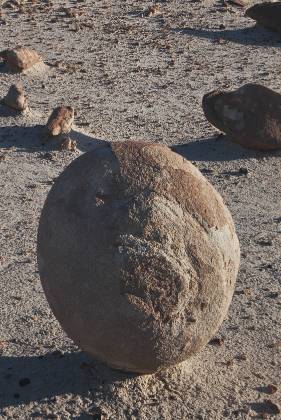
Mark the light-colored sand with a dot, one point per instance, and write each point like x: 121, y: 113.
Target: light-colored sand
x: 138, y: 78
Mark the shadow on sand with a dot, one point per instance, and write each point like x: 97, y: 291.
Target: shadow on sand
x: 254, y: 35
x: 217, y: 149
x: 34, y: 378
x: 34, y: 138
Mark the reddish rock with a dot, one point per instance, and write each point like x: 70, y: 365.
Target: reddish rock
x: 60, y: 121
x: 15, y: 98
x: 20, y: 58
x: 267, y: 15
x: 249, y: 116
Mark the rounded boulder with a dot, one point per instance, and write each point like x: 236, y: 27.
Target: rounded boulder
x: 138, y: 256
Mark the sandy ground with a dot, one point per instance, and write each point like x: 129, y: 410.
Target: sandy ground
x: 133, y: 77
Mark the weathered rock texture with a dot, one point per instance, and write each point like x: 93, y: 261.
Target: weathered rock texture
x: 249, y: 116
x: 267, y: 14
x: 15, y: 98
x: 138, y: 255
x: 20, y: 58
x: 60, y: 121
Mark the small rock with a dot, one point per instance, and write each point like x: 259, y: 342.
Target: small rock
x: 267, y: 14
x: 60, y: 121
x: 68, y: 144
x: 3, y: 344
x: 247, y: 291
x: 217, y: 341
x: 248, y: 116
x: 15, y: 98
x: 153, y: 10
x: 241, y: 357
x: 273, y: 295
x: 243, y: 171
x: 265, y: 242
x: 20, y: 58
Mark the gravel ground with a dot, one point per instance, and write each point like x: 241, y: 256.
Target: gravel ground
x: 135, y: 77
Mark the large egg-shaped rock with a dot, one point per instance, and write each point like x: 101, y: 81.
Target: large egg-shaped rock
x: 138, y: 256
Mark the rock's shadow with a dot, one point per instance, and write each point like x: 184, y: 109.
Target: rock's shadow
x: 34, y: 138
x: 254, y: 35
x: 217, y: 149
x: 6, y: 111
x: 34, y: 378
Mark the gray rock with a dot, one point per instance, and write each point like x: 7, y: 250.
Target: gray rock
x: 137, y: 255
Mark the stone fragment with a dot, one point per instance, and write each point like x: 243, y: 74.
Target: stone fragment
x: 249, y: 116
x: 15, y: 98
x: 153, y: 10
x: 20, y: 58
x: 60, y: 121
x: 267, y: 14
x: 137, y: 255
x: 69, y: 145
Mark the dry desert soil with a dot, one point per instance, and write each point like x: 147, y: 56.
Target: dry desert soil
x: 130, y: 76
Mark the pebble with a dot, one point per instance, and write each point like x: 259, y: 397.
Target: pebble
x: 15, y: 98
x: 60, y: 121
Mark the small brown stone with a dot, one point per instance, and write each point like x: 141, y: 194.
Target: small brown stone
x: 267, y: 14
x: 60, y: 121
x: 249, y: 116
x: 153, y: 10
x: 15, y: 98
x: 20, y: 58
x: 68, y: 144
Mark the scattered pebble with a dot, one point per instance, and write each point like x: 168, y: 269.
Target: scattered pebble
x: 15, y: 98
x: 217, y: 341
x: 68, y: 144
x: 60, y: 121
x: 152, y: 10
